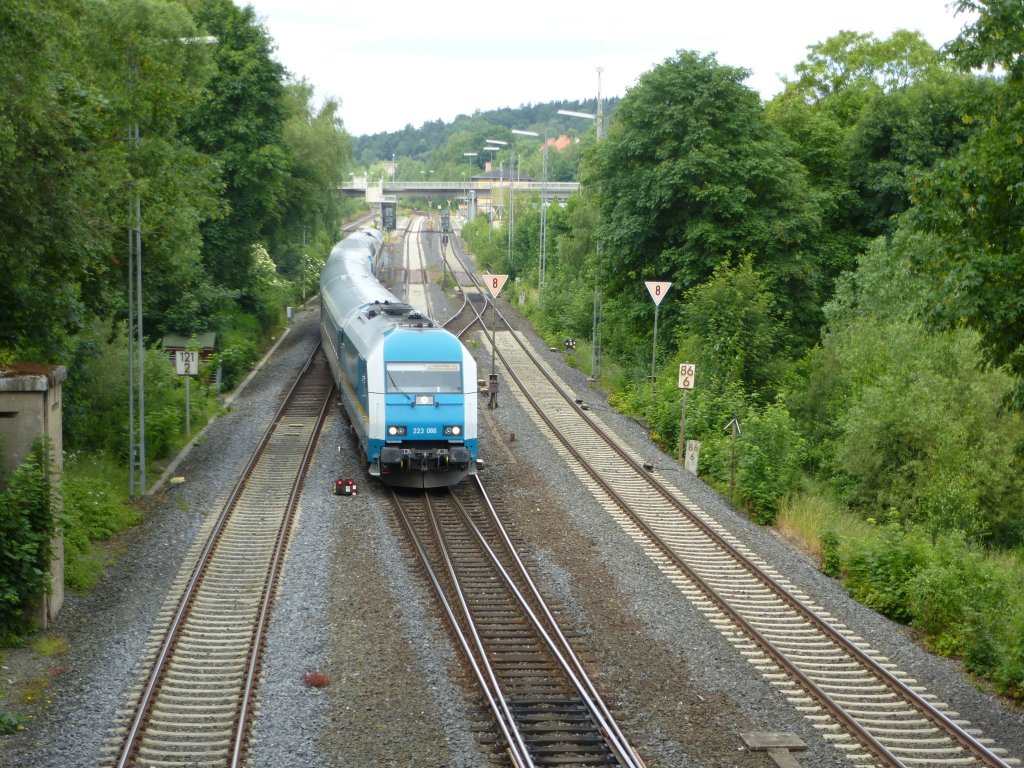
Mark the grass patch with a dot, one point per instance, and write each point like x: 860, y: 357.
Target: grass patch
x: 611, y: 375
x: 94, y: 510
x: 34, y: 691
x: 50, y: 645
x: 815, y: 523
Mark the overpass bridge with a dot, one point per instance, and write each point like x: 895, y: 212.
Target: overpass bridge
x: 478, y: 193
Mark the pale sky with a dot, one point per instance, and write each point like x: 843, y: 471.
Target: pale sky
x: 400, y: 62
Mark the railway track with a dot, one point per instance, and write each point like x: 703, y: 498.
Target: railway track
x: 194, y: 700
x: 867, y: 710
x: 547, y: 710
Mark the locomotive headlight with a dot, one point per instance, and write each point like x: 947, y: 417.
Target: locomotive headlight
x: 394, y: 431
x: 453, y: 431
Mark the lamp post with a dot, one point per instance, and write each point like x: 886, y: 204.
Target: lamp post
x: 426, y: 178
x: 595, y: 351
x: 586, y: 116
x: 499, y: 146
x: 599, y: 117
x: 470, y: 192
x: 512, y: 178
x: 542, y: 248
x: 136, y: 357
x: 469, y: 159
x: 490, y: 208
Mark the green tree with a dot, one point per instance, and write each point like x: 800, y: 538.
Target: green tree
x: 319, y: 153
x: 899, y: 418
x: 731, y: 327
x: 866, y: 116
x: 87, y: 73
x: 57, y: 177
x: 691, y: 172
x: 149, y: 57
x: 240, y: 123
x: 903, y: 133
x: 994, y: 40
x: 848, y: 69
x: 972, y: 203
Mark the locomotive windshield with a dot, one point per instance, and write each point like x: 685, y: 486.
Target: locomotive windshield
x: 412, y: 378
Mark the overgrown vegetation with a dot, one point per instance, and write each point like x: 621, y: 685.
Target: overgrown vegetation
x: 845, y: 269
x: 95, y: 509
x: 964, y: 599
x: 238, y: 208
x: 27, y: 526
x: 845, y: 265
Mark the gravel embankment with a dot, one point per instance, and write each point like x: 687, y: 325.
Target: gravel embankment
x: 353, y: 606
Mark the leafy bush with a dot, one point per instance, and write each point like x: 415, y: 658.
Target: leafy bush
x: 1009, y: 671
x: 733, y: 318
x: 944, y: 594
x: 240, y: 348
x: 96, y: 401
x: 10, y: 722
x: 163, y: 426
x: 902, y: 418
x: 963, y: 600
x: 26, y: 528
x: 769, y: 455
x: 831, y: 561
x: 879, y: 574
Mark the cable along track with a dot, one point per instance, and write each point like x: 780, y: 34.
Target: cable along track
x: 864, y: 708
x: 194, y: 705
x: 546, y: 708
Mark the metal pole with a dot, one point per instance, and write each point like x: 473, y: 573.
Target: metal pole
x: 188, y: 405
x: 682, y: 430
x: 654, y: 349
x: 732, y: 465
x: 131, y: 351
x: 542, y: 266
x: 141, y: 366
x: 492, y: 382
x: 494, y: 325
x: 511, y: 205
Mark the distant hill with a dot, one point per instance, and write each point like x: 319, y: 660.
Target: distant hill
x: 418, y: 143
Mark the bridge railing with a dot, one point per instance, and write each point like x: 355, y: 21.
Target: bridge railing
x: 550, y: 187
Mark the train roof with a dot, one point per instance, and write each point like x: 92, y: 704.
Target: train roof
x: 399, y: 313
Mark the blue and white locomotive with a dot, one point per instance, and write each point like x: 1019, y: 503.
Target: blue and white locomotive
x: 408, y: 386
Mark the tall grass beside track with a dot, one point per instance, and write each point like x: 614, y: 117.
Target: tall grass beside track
x: 963, y: 601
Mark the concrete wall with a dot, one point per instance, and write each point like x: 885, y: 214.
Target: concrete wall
x: 31, y: 405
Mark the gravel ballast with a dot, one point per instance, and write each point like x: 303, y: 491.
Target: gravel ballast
x: 354, y: 609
